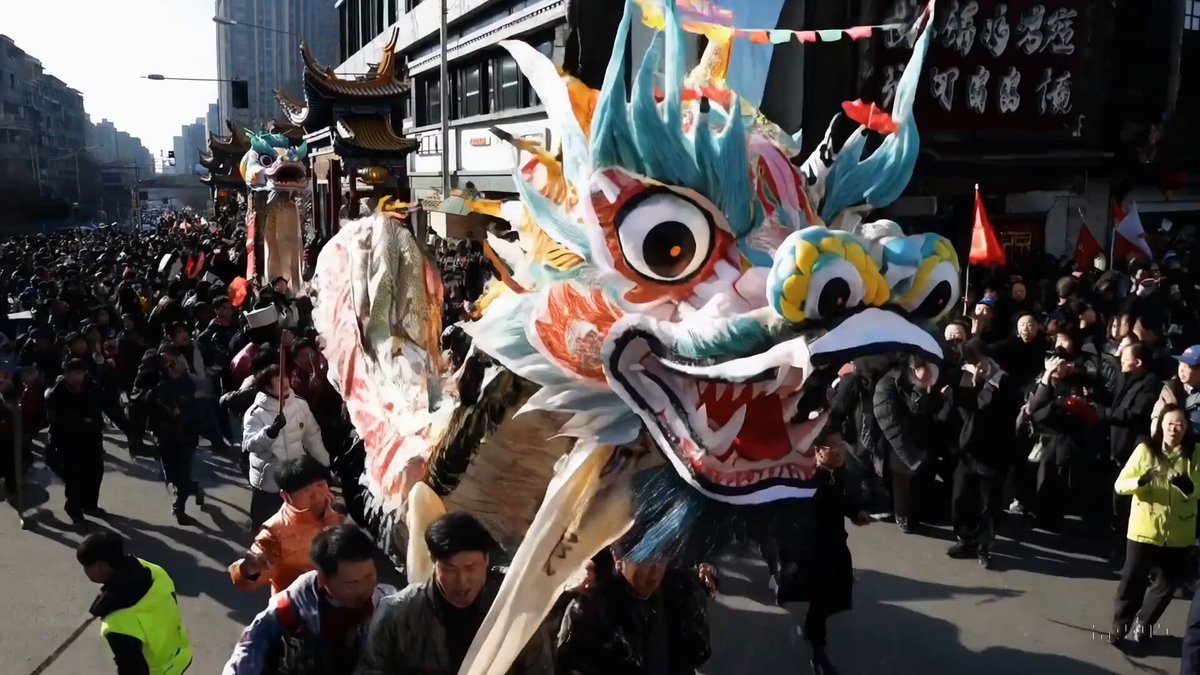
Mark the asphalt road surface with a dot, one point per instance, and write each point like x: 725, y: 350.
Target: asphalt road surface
x: 916, y: 611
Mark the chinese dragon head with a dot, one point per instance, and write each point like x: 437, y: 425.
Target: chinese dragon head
x: 651, y: 364
x: 273, y: 165
x: 275, y: 168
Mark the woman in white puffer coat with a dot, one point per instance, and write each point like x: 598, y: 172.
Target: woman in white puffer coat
x: 272, y: 435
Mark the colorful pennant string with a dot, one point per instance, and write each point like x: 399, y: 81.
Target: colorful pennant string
x: 704, y: 18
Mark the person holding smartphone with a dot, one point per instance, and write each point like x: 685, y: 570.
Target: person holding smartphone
x: 1059, y: 409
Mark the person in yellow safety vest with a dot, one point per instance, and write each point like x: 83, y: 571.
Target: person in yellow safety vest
x: 139, y: 614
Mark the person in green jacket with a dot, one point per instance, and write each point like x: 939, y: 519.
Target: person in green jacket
x: 139, y: 613
x: 1161, y: 476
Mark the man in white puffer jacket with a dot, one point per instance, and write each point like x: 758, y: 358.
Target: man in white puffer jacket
x: 272, y: 434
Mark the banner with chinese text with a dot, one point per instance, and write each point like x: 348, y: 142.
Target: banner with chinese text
x: 993, y: 65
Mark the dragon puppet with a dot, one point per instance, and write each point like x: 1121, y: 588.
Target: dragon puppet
x: 642, y: 371
x: 274, y: 172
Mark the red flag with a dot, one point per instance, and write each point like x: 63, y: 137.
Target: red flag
x: 1086, y: 248
x: 985, y: 247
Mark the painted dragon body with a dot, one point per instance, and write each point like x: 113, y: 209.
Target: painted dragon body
x: 274, y: 172
x: 647, y: 370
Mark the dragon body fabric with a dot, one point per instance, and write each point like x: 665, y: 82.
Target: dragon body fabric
x: 274, y: 173
x: 646, y: 368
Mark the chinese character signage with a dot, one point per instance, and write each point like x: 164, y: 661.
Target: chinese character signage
x: 993, y: 65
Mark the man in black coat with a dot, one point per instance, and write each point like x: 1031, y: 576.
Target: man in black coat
x: 903, y: 405
x: 76, y: 406
x: 983, y: 403
x: 1128, y: 418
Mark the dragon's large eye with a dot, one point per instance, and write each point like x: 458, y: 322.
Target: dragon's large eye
x: 665, y: 237
x: 265, y: 160
x: 836, y: 285
x: 933, y: 293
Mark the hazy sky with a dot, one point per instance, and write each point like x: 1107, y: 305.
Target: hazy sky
x: 103, y: 47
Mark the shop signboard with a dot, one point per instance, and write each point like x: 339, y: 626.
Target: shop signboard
x: 1015, y: 65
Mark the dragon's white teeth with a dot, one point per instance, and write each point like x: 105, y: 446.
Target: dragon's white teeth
x: 763, y: 388
x: 737, y: 390
x: 719, y: 392
x: 720, y: 440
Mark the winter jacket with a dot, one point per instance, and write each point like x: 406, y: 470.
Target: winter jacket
x: 171, y: 408
x: 901, y: 409
x: 984, y: 414
x: 607, y: 631
x: 284, y: 544
x: 1061, y: 430
x: 77, y: 417
x: 408, y: 635
x: 1163, y: 514
x: 1128, y: 414
x: 285, y: 638
x: 299, y: 436
x: 1176, y: 393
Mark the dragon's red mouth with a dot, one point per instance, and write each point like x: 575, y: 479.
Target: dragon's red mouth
x: 743, y: 430
x: 762, y: 434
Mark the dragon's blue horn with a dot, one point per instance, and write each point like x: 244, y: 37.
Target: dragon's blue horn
x: 261, y: 144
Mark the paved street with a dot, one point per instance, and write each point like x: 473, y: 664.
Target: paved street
x: 917, y: 611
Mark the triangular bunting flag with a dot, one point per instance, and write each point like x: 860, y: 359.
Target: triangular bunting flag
x: 780, y: 37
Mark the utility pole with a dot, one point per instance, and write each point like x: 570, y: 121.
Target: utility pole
x: 444, y: 103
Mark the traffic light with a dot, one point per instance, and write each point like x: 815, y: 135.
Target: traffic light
x: 240, y: 90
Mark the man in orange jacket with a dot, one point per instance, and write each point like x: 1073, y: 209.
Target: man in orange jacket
x: 280, y: 552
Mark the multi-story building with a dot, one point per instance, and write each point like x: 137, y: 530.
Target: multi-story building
x: 213, y: 124
x: 260, y: 44
x: 111, y: 146
x: 42, y: 127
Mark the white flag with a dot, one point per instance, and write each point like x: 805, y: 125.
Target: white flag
x: 1131, y: 229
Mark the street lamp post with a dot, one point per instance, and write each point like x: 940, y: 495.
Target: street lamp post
x: 223, y: 21
x: 444, y: 105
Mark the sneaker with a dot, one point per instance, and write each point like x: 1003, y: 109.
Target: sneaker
x: 1116, y: 635
x: 77, y: 519
x: 199, y: 494
x: 961, y: 550
x: 883, y: 517
x: 96, y: 511
x: 985, y: 558
x: 1016, y: 508
x: 906, y: 526
x: 773, y: 584
x: 183, y: 518
x: 1141, y: 633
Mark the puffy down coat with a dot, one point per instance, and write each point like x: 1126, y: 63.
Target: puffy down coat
x: 299, y: 436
